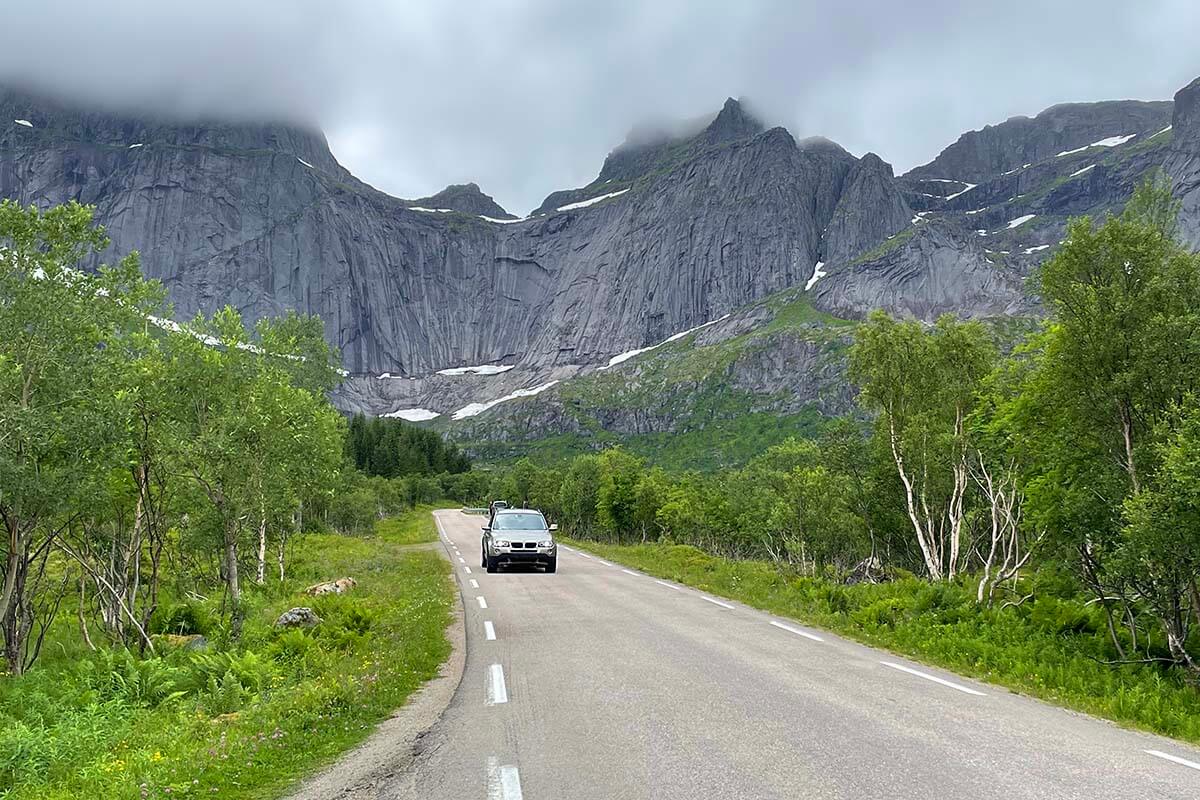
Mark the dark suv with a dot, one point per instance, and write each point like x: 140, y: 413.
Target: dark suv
x: 518, y: 536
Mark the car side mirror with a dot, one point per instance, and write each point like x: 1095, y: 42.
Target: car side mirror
x: 486, y: 529
x: 553, y: 526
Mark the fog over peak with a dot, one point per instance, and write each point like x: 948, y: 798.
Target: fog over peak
x: 527, y: 97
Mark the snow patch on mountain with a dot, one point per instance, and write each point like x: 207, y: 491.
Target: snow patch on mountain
x: 482, y: 369
x: 969, y: 186
x: 1111, y: 141
x: 412, y: 414
x: 591, y: 202
x: 818, y: 273
x: 622, y: 357
x: 475, y: 409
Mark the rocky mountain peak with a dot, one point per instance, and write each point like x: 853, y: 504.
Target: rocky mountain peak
x: 819, y: 144
x: 870, y: 208
x: 1020, y: 141
x: 1186, y: 120
x: 467, y: 198
x: 870, y: 161
x: 57, y: 122
x: 732, y: 122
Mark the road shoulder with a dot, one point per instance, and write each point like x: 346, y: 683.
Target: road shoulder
x: 359, y: 773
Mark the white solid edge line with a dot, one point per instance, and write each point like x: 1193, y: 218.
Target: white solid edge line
x: 489, y: 630
x: 797, y: 631
x: 951, y: 684
x: 504, y: 782
x: 605, y: 563
x: 630, y: 572
x: 497, y: 692
x: 669, y: 585
x: 716, y: 602
x: 1175, y: 759
x: 584, y: 555
x: 482, y: 602
x: 510, y: 783
x: 474, y: 583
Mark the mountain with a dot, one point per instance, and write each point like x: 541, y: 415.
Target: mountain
x: 465, y: 197
x: 996, y: 149
x: 722, y: 222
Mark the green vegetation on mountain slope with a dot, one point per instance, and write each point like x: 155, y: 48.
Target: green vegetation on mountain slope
x: 686, y: 405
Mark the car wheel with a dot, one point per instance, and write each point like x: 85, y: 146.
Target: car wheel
x: 552, y: 565
x: 483, y: 556
x: 490, y: 564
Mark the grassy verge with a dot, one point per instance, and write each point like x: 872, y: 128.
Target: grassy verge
x: 241, y: 723
x: 414, y: 527
x: 1051, y: 648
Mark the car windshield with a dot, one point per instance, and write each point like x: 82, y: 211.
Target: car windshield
x: 519, y: 522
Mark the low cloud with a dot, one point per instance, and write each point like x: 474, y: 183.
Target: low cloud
x: 528, y: 97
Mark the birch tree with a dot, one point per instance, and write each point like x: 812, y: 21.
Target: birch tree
x: 923, y: 384
x: 60, y: 345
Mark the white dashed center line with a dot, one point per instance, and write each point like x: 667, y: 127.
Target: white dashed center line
x: 504, y: 782
x: 951, y: 684
x: 474, y: 583
x: 797, y: 631
x: 482, y: 602
x: 630, y: 572
x: 605, y: 563
x: 669, y: 585
x: 461, y: 560
x: 584, y: 555
x: 489, y: 630
x: 497, y: 692
x: 467, y: 570
x: 1176, y: 759
x: 716, y: 602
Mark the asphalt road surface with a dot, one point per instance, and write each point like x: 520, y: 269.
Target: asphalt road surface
x: 604, y: 683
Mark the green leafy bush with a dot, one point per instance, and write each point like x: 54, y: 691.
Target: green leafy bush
x: 186, y: 618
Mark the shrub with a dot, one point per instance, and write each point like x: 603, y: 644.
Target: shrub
x: 186, y: 618
x: 118, y: 674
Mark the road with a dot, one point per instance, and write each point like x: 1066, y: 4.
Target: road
x: 601, y: 683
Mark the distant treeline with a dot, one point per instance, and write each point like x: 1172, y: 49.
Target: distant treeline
x: 390, y: 448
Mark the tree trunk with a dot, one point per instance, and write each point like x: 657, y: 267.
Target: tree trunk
x: 231, y: 580
x: 14, y: 621
x: 83, y: 628
x: 931, y: 562
x: 260, y: 576
x: 18, y: 543
x: 1127, y: 434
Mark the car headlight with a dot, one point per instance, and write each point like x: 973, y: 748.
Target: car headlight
x: 502, y: 543
x: 546, y: 543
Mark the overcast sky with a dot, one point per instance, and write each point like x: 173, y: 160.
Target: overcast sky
x: 528, y: 97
